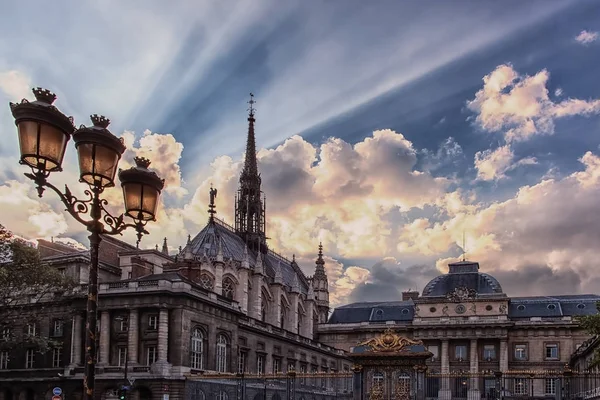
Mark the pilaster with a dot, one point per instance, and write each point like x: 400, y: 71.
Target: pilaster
x: 275, y: 314
x: 242, y: 290
x: 293, y: 314
x: 104, y: 337
x: 162, y: 366
x: 445, y: 393
x: 76, y: 340
x: 503, y: 355
x: 133, y: 336
x: 256, y: 300
x: 473, y: 392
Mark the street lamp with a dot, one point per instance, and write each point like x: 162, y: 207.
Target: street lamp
x: 43, y: 135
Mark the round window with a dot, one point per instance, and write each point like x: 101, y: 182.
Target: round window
x: 551, y: 306
x: 432, y: 309
x: 404, y: 311
x: 460, y: 309
x: 581, y: 306
x: 520, y: 307
x: 489, y: 307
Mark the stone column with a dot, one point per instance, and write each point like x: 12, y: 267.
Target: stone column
x: 308, y: 323
x: 503, y: 355
x: 132, y: 336
x: 104, y: 337
x: 275, y: 311
x: 163, y: 334
x: 242, y: 290
x: 293, y: 315
x: 473, y: 392
x: 218, y: 277
x: 256, y: 300
x: 445, y: 393
x: 76, y: 340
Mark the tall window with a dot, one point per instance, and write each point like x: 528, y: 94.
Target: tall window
x: 56, y: 357
x: 242, y: 362
x: 489, y: 352
x: 263, y: 310
x: 31, y: 329
x: 434, y: 349
x: 153, y: 322
x: 521, y: 352
x: 4, y: 359
x: 551, y: 351
x: 150, y: 355
x: 228, y: 288
x: 6, y: 333
x: 551, y: 385
x: 222, y: 395
x: 206, y: 281
x: 221, y: 353
x: 302, y: 371
x: 29, y: 358
x: 521, y: 386
x: 123, y: 324
x: 122, y: 356
x: 282, y: 315
x: 460, y: 352
x: 58, y: 328
x: 197, y: 349
x: 299, y: 322
x: 260, y: 364
x: 276, y: 365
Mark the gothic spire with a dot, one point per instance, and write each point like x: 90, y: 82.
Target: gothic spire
x: 278, y: 274
x: 295, y: 284
x: 249, y: 207
x: 320, y: 270
x: 220, y: 250
x: 258, y: 266
x: 165, y: 248
x: 250, y: 165
x: 246, y: 259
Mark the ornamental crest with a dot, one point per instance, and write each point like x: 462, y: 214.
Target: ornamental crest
x: 389, y: 341
x: 461, y: 294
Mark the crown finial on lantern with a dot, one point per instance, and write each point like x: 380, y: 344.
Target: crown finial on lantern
x: 142, y: 162
x: 44, y: 95
x: 100, y: 121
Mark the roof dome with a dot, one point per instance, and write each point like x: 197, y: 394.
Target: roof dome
x: 463, y: 275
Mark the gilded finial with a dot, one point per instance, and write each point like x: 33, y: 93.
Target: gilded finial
x: 142, y: 162
x: 100, y: 121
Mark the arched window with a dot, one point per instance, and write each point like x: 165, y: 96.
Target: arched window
x: 222, y: 395
x: 206, y: 281
x: 263, y: 310
x: 228, y: 288
x: 378, y: 378
x: 299, y: 322
x: 282, y: 315
x: 222, y: 353
x: 198, y: 394
x: 197, y: 348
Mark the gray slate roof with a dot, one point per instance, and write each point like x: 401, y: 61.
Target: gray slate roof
x: 553, y: 306
x: 463, y: 274
x: 207, y: 242
x: 373, y: 312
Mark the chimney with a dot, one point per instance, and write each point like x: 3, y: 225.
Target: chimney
x: 410, y: 295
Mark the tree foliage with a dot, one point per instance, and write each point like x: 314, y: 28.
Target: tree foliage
x: 28, y: 287
x: 591, y: 324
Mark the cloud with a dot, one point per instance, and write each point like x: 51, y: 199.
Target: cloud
x: 448, y: 153
x: 586, y: 37
x: 493, y: 164
x: 15, y: 84
x: 388, y: 279
x: 519, y: 105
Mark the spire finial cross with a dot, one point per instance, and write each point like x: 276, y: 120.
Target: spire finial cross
x: 251, y: 109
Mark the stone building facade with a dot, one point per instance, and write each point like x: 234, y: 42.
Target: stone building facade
x: 471, y: 326
x: 224, y: 303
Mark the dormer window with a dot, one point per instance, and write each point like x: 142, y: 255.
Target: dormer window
x: 551, y: 306
x: 521, y: 307
x: 581, y: 306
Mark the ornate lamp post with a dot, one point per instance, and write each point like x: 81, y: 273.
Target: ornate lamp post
x: 43, y: 135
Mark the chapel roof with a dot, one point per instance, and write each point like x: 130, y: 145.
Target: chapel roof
x: 206, y: 242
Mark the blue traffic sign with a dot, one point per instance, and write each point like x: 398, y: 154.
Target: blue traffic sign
x: 57, y: 391
x: 125, y: 387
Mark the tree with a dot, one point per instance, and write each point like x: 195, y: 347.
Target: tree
x: 28, y: 287
x: 591, y: 324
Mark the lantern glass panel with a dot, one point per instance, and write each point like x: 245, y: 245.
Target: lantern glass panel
x: 42, y: 145
x: 132, y: 193
x: 150, y: 202
x: 97, y: 164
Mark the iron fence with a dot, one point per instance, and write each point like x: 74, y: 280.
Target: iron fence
x: 289, y: 386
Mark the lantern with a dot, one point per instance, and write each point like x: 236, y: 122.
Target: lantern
x: 43, y: 131
x: 141, y: 190
x: 99, y: 152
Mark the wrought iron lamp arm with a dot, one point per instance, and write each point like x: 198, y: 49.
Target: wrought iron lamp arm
x: 93, y: 204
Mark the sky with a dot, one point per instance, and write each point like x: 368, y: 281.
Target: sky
x: 400, y: 135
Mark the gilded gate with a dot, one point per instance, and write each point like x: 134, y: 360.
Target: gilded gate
x: 389, y: 367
